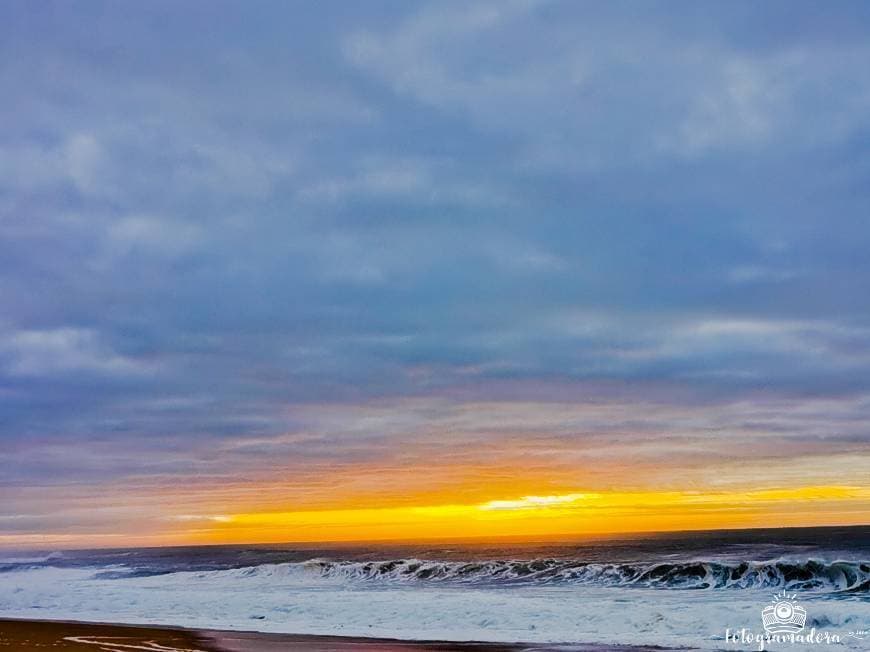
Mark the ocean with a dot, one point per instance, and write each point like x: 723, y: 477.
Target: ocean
x: 702, y: 589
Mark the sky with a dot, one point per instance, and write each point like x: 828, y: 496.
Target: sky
x: 330, y: 271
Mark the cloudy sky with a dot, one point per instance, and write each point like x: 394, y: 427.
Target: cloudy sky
x: 303, y: 257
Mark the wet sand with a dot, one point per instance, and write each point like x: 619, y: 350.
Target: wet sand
x: 27, y: 635
x: 21, y: 635
x: 58, y: 636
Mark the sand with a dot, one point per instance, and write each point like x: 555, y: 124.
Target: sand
x: 21, y: 635
x: 59, y: 636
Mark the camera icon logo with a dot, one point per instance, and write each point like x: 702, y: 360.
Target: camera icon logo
x: 784, y: 616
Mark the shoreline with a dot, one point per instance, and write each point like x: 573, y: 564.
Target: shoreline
x: 24, y: 635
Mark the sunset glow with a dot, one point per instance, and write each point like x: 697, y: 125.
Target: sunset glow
x: 574, y: 515
x: 547, y: 516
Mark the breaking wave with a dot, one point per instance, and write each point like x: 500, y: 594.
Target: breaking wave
x: 812, y: 575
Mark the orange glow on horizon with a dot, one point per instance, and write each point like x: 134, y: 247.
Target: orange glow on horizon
x: 573, y: 514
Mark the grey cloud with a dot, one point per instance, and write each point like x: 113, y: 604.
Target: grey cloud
x: 211, y: 219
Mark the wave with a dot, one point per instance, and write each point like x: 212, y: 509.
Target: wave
x: 9, y: 564
x: 10, y: 561
x: 811, y: 575
x: 823, y: 576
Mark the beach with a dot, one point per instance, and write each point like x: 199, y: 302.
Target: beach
x: 63, y: 636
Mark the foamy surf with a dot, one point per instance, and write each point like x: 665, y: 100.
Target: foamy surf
x: 672, y: 593
x: 250, y: 599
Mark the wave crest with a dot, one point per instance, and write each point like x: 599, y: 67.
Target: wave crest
x: 812, y: 575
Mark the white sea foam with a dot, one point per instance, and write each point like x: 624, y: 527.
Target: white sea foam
x: 300, y: 598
